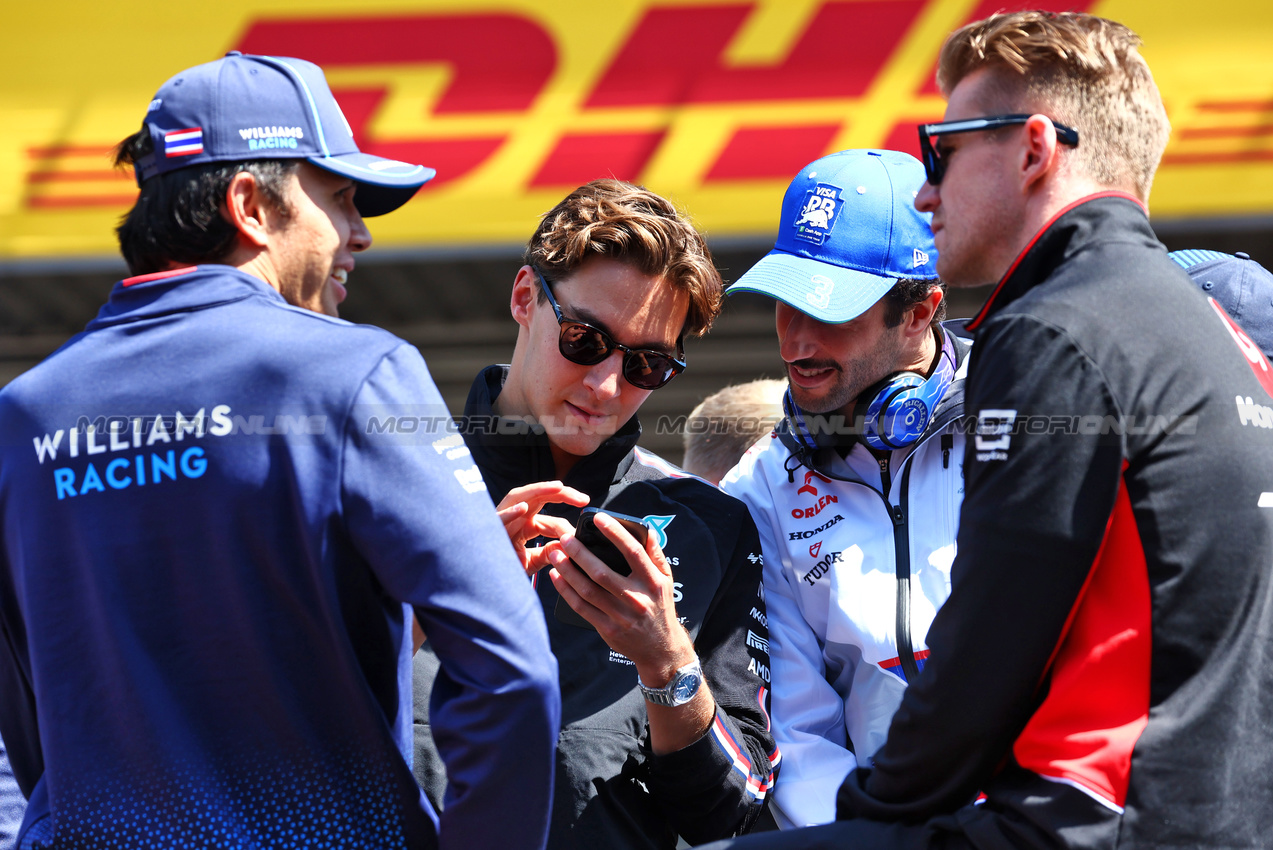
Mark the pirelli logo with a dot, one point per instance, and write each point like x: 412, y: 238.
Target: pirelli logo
x: 755, y: 641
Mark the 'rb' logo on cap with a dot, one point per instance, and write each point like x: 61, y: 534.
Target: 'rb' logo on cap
x: 818, y: 214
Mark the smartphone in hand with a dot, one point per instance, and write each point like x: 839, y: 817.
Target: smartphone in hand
x: 587, y: 533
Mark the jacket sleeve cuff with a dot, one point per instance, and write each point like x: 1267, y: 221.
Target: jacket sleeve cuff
x: 716, y: 761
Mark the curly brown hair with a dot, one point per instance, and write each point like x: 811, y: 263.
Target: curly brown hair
x: 625, y: 222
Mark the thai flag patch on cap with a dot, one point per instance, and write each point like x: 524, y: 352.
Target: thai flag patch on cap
x: 183, y: 142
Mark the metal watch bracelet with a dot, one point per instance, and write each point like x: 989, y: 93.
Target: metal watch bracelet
x: 684, y: 685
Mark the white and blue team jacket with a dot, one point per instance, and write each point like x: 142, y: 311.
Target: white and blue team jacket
x: 213, y: 507
x: 833, y: 538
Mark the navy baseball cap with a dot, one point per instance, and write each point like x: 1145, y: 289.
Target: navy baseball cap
x: 849, y: 231
x: 1243, y: 287
x: 245, y: 107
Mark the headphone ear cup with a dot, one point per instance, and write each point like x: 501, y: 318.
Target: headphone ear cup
x: 902, y: 405
x: 896, y: 414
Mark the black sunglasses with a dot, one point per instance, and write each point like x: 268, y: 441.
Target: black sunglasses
x: 586, y: 345
x: 936, y: 169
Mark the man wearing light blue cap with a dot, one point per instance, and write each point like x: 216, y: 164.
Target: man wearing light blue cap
x: 856, y: 494
x: 212, y: 541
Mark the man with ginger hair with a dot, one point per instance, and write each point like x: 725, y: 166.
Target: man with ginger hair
x: 664, y: 672
x: 1100, y: 674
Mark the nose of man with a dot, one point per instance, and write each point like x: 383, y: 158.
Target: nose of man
x: 359, y: 235
x: 605, y: 379
x: 795, y: 341
x: 926, y: 200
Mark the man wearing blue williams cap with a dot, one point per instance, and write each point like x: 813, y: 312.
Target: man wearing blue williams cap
x: 857, y: 492
x: 211, y: 548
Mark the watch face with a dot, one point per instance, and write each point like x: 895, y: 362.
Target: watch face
x: 686, y: 687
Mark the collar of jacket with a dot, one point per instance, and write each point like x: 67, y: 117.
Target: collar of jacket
x: 180, y: 291
x: 1102, y: 217
x: 510, y: 453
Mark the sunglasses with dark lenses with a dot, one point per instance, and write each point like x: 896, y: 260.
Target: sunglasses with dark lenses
x: 936, y: 169
x: 586, y: 345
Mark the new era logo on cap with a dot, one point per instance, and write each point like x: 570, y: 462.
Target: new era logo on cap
x: 920, y: 259
x: 183, y: 142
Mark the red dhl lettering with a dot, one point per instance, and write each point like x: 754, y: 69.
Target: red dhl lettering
x: 499, y: 63
x: 676, y: 55
x: 674, y: 59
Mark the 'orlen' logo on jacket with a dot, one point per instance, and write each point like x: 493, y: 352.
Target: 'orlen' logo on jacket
x: 818, y: 507
x: 809, y: 488
x: 808, y: 483
x: 1254, y: 357
x: 994, y: 434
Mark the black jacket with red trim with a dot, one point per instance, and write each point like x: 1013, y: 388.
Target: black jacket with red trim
x: 1103, y: 669
x: 612, y: 791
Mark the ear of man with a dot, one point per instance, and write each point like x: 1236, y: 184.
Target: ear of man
x: 1039, y: 156
x: 1044, y: 171
x: 251, y: 212
x: 525, y: 294
x: 918, y: 318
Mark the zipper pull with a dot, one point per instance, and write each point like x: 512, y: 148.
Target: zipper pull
x: 899, y: 518
x: 947, y: 443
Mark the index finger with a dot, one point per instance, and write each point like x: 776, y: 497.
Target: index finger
x: 540, y: 493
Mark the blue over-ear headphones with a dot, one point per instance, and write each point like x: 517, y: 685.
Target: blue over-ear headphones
x: 900, y: 407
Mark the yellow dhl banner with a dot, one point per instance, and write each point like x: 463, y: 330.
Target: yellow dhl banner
x: 716, y: 103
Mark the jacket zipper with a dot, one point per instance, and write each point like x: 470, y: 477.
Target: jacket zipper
x: 901, y: 543
x: 902, y: 549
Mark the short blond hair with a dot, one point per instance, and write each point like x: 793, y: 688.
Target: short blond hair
x: 631, y: 224
x: 1080, y: 70
x: 725, y: 425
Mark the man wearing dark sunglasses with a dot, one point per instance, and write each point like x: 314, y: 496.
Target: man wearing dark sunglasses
x: 664, y: 672
x: 1100, y: 675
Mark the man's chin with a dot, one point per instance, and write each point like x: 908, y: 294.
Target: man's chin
x: 817, y: 403
x: 962, y: 278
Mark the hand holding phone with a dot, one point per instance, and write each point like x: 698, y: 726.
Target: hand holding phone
x: 587, y: 533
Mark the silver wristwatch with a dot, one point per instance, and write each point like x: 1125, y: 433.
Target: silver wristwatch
x: 685, y: 683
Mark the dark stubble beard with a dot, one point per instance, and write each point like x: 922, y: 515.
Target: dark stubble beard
x: 852, y: 377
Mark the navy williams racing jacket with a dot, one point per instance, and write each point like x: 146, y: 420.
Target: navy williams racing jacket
x: 205, y: 548
x: 612, y: 791
x: 1103, y: 668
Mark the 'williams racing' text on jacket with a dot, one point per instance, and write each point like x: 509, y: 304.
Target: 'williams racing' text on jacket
x: 205, y: 548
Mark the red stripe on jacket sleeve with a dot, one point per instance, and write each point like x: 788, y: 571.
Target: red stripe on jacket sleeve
x: 1098, y: 699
